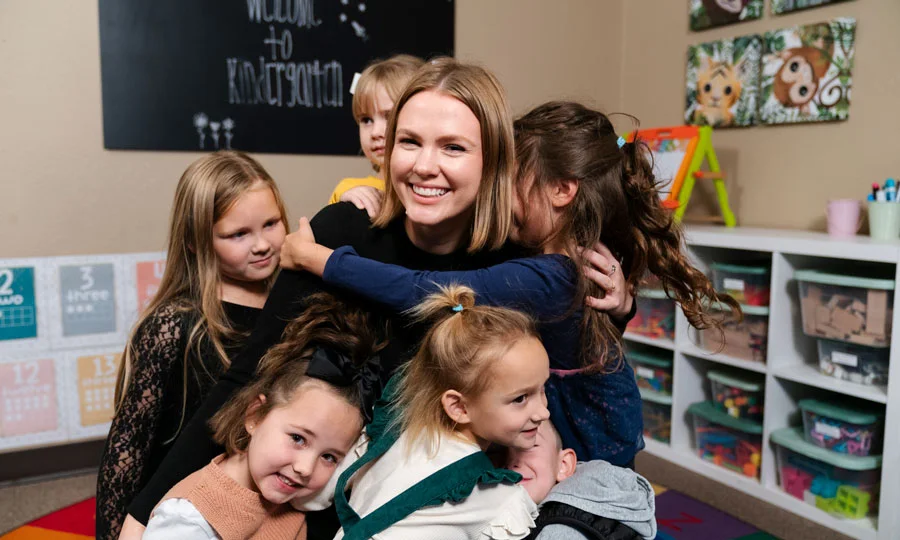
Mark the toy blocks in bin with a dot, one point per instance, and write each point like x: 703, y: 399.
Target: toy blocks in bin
x: 655, y: 316
x: 746, y: 339
x: 731, y: 443
x: 842, y: 485
x: 841, y: 428
x: 652, y: 371
x: 657, y: 412
x: 747, y: 284
x: 738, y: 396
x: 846, y: 308
x: 855, y: 363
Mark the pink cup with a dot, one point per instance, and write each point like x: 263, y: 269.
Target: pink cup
x: 843, y: 217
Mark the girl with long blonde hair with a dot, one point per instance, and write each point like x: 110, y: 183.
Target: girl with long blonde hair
x: 225, y: 234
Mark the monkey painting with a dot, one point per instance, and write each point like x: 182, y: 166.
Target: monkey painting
x: 807, y: 73
x: 707, y: 13
x: 798, y: 80
x: 724, y: 11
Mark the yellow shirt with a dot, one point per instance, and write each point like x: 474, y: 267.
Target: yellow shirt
x: 348, y: 183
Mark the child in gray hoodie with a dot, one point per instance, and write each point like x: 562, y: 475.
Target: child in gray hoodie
x: 584, y: 500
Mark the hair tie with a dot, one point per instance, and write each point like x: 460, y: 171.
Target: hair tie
x: 457, y: 308
x: 338, y: 369
x: 621, y: 142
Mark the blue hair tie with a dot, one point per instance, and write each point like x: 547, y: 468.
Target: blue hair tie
x: 621, y: 142
x: 457, y: 308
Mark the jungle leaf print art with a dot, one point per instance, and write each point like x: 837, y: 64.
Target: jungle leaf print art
x: 787, y: 6
x: 723, y: 82
x: 806, y: 74
x: 708, y: 13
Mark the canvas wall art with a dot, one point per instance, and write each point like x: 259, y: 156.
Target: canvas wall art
x: 806, y: 74
x: 723, y: 82
x: 709, y: 13
x: 787, y: 6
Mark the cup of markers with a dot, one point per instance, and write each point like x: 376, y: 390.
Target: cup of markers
x: 884, y: 211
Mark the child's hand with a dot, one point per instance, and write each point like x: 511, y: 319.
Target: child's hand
x: 604, y: 270
x: 365, y: 198
x: 301, y: 252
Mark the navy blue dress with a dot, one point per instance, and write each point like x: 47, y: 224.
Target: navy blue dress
x: 597, y: 415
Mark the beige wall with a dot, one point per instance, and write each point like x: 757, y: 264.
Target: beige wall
x: 780, y: 176
x: 62, y: 193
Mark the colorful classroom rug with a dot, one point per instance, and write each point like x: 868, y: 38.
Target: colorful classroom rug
x: 679, y: 517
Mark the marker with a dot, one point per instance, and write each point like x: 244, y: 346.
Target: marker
x: 870, y: 197
x: 880, y: 196
x: 875, y: 189
x: 890, y: 190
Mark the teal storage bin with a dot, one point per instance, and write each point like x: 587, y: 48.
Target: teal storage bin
x: 731, y: 443
x: 846, y: 308
x: 855, y: 363
x: 657, y: 412
x: 842, y: 429
x: 746, y: 339
x: 740, y: 397
x: 652, y: 371
x: 655, y: 315
x: 844, y: 486
x: 746, y: 284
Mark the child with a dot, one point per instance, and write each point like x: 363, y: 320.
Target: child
x: 225, y: 235
x: 284, y: 435
x: 595, y: 498
x: 477, y: 379
x: 377, y: 89
x: 579, y: 184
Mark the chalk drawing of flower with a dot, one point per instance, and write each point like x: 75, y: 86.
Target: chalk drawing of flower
x: 228, y: 125
x: 214, y: 127
x: 200, y: 122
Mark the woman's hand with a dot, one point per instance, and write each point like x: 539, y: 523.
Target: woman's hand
x: 131, y: 529
x: 301, y: 252
x: 365, y: 198
x: 602, y: 268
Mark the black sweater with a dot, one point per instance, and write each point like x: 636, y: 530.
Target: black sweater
x: 154, y: 405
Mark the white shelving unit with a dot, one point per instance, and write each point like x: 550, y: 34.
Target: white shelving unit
x: 791, y: 371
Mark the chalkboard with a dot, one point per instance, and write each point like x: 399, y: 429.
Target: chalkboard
x: 255, y: 75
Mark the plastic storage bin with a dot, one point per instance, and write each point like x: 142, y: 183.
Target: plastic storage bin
x: 655, y: 316
x: 747, y: 284
x: 745, y: 339
x: 842, y: 485
x: 855, y: 363
x: 846, y: 308
x: 740, y: 397
x: 657, y: 411
x: 652, y: 371
x: 729, y: 442
x: 842, y: 429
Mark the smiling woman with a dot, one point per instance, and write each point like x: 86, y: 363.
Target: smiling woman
x: 470, y: 155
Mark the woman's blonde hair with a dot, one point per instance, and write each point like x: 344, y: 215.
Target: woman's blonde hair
x: 327, y: 321
x: 482, y: 93
x: 191, y: 280
x: 456, y: 354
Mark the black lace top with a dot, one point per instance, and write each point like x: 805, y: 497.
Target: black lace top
x: 153, y: 408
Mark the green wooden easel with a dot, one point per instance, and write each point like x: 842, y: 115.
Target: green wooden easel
x: 699, y: 150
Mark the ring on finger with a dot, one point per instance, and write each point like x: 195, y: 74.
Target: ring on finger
x: 612, y: 269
